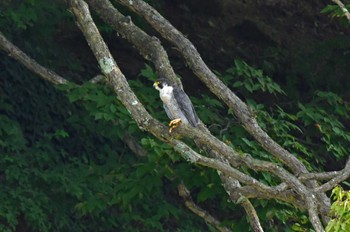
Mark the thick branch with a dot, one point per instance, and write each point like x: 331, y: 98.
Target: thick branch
x: 255, y: 164
x: 190, y: 155
x: 276, y: 194
x: 236, y: 159
x: 313, y: 213
x: 112, y: 72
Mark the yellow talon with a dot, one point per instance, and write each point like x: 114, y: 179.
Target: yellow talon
x: 174, y: 123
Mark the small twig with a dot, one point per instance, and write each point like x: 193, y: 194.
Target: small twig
x: 343, y: 8
x: 134, y: 145
x: 186, y: 196
x: 225, y: 128
x: 97, y: 79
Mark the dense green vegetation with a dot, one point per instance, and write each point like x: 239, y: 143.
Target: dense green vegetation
x: 64, y: 163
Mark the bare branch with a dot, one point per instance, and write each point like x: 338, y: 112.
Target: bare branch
x: 185, y: 194
x: 344, y: 174
x: 343, y: 8
x: 190, y: 155
x: 313, y: 213
x: 97, y: 79
x: 288, y: 196
x: 28, y: 62
x: 237, y: 159
x: 254, y: 164
x: 251, y: 212
x: 319, y: 176
x: 112, y: 72
x: 232, y: 185
x: 327, y: 175
x: 149, y: 47
x: 45, y: 73
x: 237, y: 197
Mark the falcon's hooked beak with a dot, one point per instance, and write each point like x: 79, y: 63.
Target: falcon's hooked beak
x: 156, y: 85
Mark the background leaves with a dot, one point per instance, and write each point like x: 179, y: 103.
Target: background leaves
x: 64, y: 162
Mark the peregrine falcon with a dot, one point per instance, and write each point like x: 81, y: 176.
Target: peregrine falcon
x: 177, y: 104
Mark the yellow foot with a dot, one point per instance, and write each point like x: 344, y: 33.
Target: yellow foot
x: 174, y: 123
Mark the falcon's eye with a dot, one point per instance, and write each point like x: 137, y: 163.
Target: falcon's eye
x: 160, y: 85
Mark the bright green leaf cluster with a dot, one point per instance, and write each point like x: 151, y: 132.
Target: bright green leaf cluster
x: 340, y: 211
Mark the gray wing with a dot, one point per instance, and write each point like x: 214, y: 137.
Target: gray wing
x: 167, y: 111
x: 186, y: 106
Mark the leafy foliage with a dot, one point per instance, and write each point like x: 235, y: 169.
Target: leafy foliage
x: 336, y: 12
x: 72, y: 171
x: 340, y: 211
x: 65, y: 165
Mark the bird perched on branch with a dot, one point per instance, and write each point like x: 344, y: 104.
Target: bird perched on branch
x: 176, y: 103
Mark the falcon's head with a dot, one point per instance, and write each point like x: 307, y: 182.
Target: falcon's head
x: 160, y: 84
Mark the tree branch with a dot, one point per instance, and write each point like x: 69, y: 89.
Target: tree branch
x: 149, y: 47
x: 328, y: 175
x: 344, y: 174
x: 112, y: 72
x: 239, y: 198
x: 28, y: 62
x: 343, y: 8
x: 186, y: 196
x: 190, y: 155
x: 251, y: 212
x: 288, y: 195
